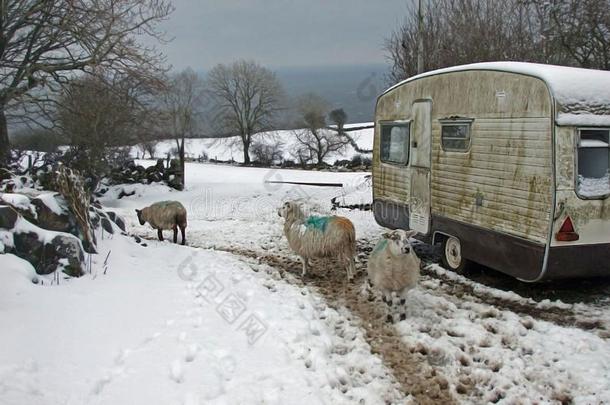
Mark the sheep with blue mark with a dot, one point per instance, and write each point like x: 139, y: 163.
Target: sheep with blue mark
x: 165, y: 215
x: 319, y: 236
x: 393, y: 267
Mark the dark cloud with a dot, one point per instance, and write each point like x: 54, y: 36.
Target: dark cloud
x: 281, y: 32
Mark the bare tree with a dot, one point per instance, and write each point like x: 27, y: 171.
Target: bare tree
x: 43, y: 41
x: 268, y: 153
x: 581, y: 29
x: 248, y: 97
x: 101, y: 115
x: 183, y: 109
x: 566, y: 32
x: 339, y: 118
x: 148, y: 145
x: 315, y: 139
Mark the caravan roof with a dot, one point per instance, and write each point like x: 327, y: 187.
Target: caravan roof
x: 582, y: 95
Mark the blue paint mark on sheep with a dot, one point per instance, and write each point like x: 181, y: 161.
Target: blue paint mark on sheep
x: 381, y: 245
x: 318, y: 223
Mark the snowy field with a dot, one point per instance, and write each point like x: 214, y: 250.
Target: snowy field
x: 229, y: 320
x: 223, y: 149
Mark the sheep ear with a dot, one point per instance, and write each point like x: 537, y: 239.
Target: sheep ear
x: 411, y: 233
x: 138, y: 211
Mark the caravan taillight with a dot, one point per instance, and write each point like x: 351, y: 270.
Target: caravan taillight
x: 566, y: 232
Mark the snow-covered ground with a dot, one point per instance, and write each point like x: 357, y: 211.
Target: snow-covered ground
x: 228, y: 149
x: 228, y: 319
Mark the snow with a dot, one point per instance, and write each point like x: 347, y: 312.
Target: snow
x: 18, y: 201
x: 593, y: 143
x: 503, y: 356
x: 50, y: 201
x: 579, y: 92
x: 150, y: 331
x: 220, y: 149
x: 594, y: 187
x: 167, y: 324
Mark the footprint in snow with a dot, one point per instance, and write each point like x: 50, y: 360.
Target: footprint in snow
x: 191, y: 352
x: 176, y: 371
x: 119, y: 360
x: 197, y: 322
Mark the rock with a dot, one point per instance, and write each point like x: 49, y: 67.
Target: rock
x: 175, y: 182
x: 117, y: 220
x: 64, y: 252
x: 123, y: 193
x: 8, y: 217
x: 107, y: 225
x: 5, y: 174
x: 69, y: 248
x: 94, y: 218
x: 46, y: 218
x: 154, y: 177
x: 30, y: 248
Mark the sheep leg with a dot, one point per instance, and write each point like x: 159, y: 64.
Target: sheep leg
x: 403, y: 306
x: 183, y: 232
x: 160, y: 234
x: 175, y: 228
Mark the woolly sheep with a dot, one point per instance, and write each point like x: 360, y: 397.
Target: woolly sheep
x: 319, y: 236
x: 165, y: 215
x: 393, y: 266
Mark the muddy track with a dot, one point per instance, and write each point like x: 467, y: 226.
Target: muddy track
x: 408, y: 364
x: 460, y: 289
x: 409, y: 367
x: 557, y: 315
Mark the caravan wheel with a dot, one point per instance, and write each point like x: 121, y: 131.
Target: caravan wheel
x: 451, y: 255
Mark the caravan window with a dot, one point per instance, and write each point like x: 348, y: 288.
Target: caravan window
x: 395, y: 143
x: 594, y: 163
x: 455, y: 135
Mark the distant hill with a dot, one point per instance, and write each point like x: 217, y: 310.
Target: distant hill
x: 353, y: 88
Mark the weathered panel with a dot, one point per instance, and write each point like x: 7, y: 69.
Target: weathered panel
x: 504, y: 182
x: 419, y: 204
x: 420, y: 134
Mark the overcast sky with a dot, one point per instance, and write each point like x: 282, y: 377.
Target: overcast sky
x: 281, y: 33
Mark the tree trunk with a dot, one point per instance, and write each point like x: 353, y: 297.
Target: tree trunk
x: 181, y: 155
x: 246, y: 152
x: 5, y: 146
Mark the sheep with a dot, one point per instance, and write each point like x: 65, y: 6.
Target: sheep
x: 394, y: 267
x: 165, y: 215
x: 319, y: 237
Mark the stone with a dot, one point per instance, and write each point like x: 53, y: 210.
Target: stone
x: 65, y: 246
x: 28, y: 246
x: 47, y: 219
x: 175, y: 182
x: 117, y: 220
x: 64, y: 253
x: 8, y: 217
x: 107, y: 225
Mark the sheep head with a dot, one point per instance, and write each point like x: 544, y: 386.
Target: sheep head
x: 398, y: 241
x: 139, y: 212
x: 290, y: 211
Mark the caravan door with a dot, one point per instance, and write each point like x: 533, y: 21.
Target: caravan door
x: 421, y: 141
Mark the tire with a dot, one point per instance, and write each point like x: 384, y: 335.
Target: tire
x: 451, y: 255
